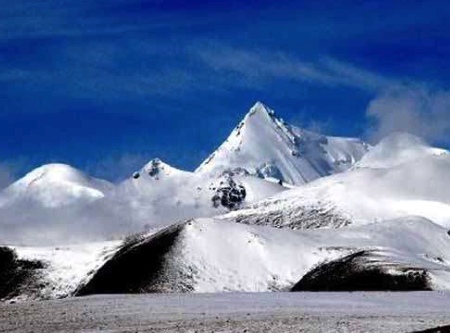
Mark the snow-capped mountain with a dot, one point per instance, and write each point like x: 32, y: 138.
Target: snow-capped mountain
x: 262, y: 157
x: 379, y: 223
x: 55, y: 185
x: 264, y: 145
x: 400, y: 176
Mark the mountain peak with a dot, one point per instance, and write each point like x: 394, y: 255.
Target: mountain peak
x: 55, y: 185
x: 259, y: 111
x: 53, y: 172
x: 156, y: 168
x: 59, y: 173
x: 264, y: 145
x: 261, y: 107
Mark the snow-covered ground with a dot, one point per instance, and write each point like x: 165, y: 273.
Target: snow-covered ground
x: 232, y: 313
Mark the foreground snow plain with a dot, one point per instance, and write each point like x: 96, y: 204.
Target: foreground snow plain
x: 229, y: 312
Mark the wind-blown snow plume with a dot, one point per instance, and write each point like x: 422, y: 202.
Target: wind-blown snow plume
x: 415, y: 109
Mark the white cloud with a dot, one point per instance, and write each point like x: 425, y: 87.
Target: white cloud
x: 419, y: 110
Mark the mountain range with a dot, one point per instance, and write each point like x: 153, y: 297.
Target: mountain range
x: 274, y: 208
x: 262, y: 157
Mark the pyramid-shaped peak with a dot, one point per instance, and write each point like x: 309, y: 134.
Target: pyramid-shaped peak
x: 260, y: 115
x: 261, y: 108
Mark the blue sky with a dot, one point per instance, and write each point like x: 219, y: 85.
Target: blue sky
x: 107, y: 85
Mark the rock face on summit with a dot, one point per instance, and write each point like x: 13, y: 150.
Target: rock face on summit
x: 265, y: 145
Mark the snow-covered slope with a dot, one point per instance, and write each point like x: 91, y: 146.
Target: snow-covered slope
x: 216, y: 255
x: 265, y: 145
x: 209, y: 255
x: 55, y: 185
x: 64, y: 268
x: 388, y: 183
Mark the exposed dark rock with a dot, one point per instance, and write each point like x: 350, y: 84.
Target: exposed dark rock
x: 136, y: 175
x: 362, y: 272
x: 229, y: 195
x: 16, y: 274
x: 154, y: 167
x: 140, y: 266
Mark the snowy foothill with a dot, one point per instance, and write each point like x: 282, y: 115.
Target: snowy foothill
x: 65, y: 267
x: 210, y: 255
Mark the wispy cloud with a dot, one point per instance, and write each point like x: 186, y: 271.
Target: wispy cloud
x: 123, y: 69
x: 66, y: 18
x: 262, y: 66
